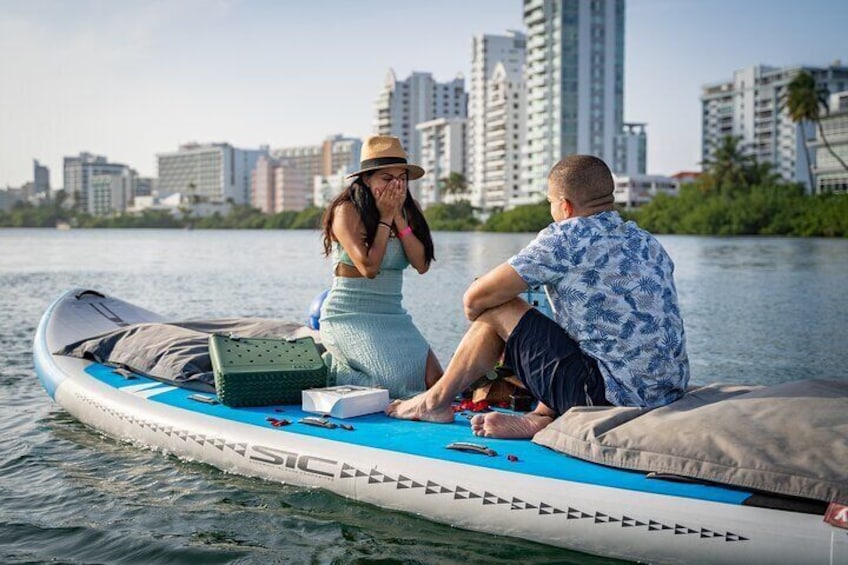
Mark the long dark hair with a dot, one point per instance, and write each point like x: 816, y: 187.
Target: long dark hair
x: 363, y: 200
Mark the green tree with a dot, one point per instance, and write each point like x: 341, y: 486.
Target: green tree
x: 763, y: 173
x: 453, y: 184
x: 730, y: 166
x: 803, y: 101
x: 527, y: 218
x: 458, y: 216
x: 308, y: 219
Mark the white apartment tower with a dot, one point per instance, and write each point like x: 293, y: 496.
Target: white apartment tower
x: 575, y: 82
x: 751, y: 107
x: 79, y: 173
x: 487, y: 53
x: 402, y: 105
x: 215, y: 172
x: 830, y: 174
x: 111, y: 193
x: 501, y: 186
x: 442, y: 153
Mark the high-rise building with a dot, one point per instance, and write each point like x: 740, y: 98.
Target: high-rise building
x: 308, y: 159
x: 111, y: 193
x: 41, y: 180
x: 10, y: 196
x: 751, y: 107
x: 630, y: 150
x: 216, y: 172
x: 575, y: 82
x: 340, y: 154
x: 144, y: 186
x: 830, y: 174
x: 79, y: 173
x: 325, y: 159
x: 262, y: 193
x: 279, y: 187
x: 497, y: 65
x: 503, y: 141
x: 300, y: 168
x: 442, y: 153
x: 402, y: 105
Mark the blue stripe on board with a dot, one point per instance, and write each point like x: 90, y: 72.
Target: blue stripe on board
x: 429, y: 440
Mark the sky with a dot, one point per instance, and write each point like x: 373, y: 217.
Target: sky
x: 129, y: 79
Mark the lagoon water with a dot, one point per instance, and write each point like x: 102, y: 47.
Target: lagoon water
x: 757, y: 310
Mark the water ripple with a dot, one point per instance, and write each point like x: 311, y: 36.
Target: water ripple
x: 756, y: 310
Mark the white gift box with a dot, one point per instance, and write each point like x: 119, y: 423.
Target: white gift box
x: 345, y: 401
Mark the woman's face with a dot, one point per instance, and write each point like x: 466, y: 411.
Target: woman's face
x: 383, y: 178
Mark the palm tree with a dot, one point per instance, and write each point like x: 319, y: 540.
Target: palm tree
x: 454, y: 183
x: 729, y: 165
x: 804, y: 101
x: 763, y: 173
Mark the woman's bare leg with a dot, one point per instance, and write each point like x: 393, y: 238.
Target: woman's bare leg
x: 479, y: 350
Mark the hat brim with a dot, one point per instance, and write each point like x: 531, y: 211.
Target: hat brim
x: 415, y: 172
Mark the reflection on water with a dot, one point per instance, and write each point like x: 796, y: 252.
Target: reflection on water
x: 757, y: 310
x: 762, y: 310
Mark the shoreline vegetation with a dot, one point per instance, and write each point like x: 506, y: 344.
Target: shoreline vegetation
x: 734, y: 196
x: 761, y: 210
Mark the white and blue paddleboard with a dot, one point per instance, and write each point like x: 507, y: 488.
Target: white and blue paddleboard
x: 524, y: 490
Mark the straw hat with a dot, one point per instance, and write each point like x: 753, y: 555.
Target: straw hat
x: 383, y: 152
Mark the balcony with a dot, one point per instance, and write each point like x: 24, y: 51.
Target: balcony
x: 495, y: 156
x: 536, y: 42
x: 496, y: 111
x: 496, y: 140
x: 498, y: 122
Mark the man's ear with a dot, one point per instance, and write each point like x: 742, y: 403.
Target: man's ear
x: 567, y: 207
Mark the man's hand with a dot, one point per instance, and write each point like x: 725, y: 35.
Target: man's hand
x: 496, y: 287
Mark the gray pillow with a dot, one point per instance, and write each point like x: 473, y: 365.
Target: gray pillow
x: 177, y: 353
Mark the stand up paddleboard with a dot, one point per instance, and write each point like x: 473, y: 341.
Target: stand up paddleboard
x: 503, y: 487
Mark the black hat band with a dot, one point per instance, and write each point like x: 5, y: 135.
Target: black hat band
x: 381, y: 162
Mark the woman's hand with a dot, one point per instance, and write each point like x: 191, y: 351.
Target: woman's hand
x: 390, y: 199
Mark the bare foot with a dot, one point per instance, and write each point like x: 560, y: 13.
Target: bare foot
x: 418, y: 408
x: 506, y: 426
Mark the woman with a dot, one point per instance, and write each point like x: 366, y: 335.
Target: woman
x: 374, y: 230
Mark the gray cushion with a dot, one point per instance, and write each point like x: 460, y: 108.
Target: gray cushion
x: 177, y: 353
x: 789, y: 439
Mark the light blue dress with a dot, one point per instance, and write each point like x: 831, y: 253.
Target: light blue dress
x: 369, y: 336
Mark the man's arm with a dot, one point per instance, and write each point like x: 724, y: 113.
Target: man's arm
x: 498, y: 286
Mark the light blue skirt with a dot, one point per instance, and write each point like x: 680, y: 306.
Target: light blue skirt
x: 369, y: 336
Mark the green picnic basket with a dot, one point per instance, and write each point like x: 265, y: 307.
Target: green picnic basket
x: 262, y: 372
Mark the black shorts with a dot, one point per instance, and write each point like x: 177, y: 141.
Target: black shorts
x: 551, y: 365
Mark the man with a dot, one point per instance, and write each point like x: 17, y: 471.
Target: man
x: 617, y: 337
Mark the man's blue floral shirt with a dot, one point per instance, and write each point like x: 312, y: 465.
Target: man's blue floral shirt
x: 611, y: 287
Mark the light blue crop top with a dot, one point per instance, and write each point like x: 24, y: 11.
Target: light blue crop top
x: 394, y: 259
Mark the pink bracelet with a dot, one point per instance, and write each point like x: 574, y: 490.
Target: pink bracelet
x: 404, y: 232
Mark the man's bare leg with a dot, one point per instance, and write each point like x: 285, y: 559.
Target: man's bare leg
x: 507, y: 426
x: 433, y: 371
x: 479, y: 350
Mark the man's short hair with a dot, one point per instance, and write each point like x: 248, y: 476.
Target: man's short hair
x: 584, y: 180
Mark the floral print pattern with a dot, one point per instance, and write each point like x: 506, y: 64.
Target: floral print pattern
x: 611, y: 287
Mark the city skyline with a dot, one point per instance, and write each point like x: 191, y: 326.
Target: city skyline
x: 131, y: 81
